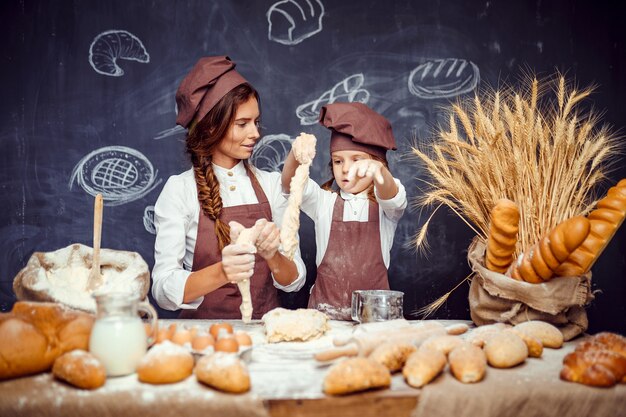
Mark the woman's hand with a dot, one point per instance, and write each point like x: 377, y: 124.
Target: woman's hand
x: 269, y: 239
x: 369, y: 168
x: 238, y: 261
x: 303, y: 148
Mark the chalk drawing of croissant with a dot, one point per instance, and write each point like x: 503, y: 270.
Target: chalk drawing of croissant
x: 110, y: 46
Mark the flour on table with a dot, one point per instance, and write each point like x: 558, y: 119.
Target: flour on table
x: 282, y: 325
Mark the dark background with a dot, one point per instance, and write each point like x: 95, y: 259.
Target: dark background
x: 56, y: 109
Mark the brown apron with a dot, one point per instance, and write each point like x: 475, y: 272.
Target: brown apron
x: 353, y: 261
x: 224, y: 302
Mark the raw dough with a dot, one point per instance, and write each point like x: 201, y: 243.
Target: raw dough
x: 282, y: 325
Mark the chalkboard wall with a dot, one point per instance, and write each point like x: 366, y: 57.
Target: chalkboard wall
x: 88, y: 106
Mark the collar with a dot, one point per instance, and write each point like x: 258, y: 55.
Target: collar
x: 348, y: 196
x: 238, y: 169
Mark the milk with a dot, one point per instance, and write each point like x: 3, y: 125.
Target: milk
x: 119, y: 343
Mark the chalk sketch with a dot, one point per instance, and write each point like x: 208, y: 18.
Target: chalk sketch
x: 443, y: 78
x: 148, y: 220
x: 169, y: 132
x: 292, y: 21
x: 347, y: 90
x: 119, y: 173
x: 270, y: 152
x: 112, y: 45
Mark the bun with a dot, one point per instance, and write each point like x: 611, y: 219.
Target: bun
x: 81, y: 369
x: 423, y: 366
x: 392, y: 355
x: 356, y: 374
x: 549, y: 335
x: 444, y: 344
x: 33, y: 335
x: 502, y: 236
x: 468, y: 363
x: 541, y: 261
x: 223, y: 371
x: 165, y: 363
x: 599, y: 368
x: 505, y: 350
x: 604, y: 222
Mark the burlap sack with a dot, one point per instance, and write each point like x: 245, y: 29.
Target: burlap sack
x: 494, y: 297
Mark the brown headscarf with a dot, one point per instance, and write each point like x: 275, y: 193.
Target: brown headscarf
x: 207, y: 82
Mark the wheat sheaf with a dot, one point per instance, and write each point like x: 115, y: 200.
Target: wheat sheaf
x: 533, y: 145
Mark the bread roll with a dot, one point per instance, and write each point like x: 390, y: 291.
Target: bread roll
x: 81, y: 369
x: 535, y: 348
x: 537, y: 264
x: 165, y: 363
x: 468, y: 363
x: 355, y: 374
x: 423, y: 366
x: 546, y: 333
x: 479, y: 335
x: 505, y: 350
x: 604, y: 222
x: 502, y: 236
x: 599, y: 368
x: 392, y: 355
x: 34, y: 334
x: 223, y: 371
x: 444, y: 344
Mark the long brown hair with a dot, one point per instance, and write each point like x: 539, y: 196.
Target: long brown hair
x: 203, y: 138
x: 328, y: 185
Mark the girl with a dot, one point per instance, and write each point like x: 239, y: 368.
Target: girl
x: 196, y: 261
x: 354, y: 224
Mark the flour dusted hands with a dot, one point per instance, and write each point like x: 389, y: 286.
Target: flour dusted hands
x: 269, y: 238
x: 369, y: 168
x: 303, y: 148
x: 238, y: 258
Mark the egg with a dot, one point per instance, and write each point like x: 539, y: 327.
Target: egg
x: 243, y: 338
x: 226, y: 344
x: 202, y: 341
x: 215, y: 329
x: 181, y: 337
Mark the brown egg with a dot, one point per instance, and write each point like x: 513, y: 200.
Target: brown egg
x: 243, y: 338
x: 193, y: 331
x: 226, y: 344
x: 202, y: 341
x: 171, y: 330
x: 181, y: 337
x: 162, y: 335
x: 148, y: 328
x: 215, y: 329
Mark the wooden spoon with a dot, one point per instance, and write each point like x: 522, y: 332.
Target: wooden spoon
x: 95, y: 277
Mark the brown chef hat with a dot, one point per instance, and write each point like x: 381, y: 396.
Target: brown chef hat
x: 354, y: 126
x: 207, y: 82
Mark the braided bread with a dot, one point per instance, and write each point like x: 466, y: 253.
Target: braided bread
x: 542, y: 260
x: 502, y: 236
x: 605, y: 220
x: 599, y: 361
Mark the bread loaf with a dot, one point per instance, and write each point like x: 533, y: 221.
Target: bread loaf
x: 534, y: 345
x: 505, y: 350
x: 392, y: 355
x: 468, y: 363
x: 223, y: 371
x: 444, y: 344
x: 423, y: 366
x: 541, y: 261
x: 502, y: 236
x: 599, y: 368
x: 546, y: 333
x: 356, y: 374
x: 34, y: 334
x: 165, y: 363
x: 604, y: 222
x: 80, y: 368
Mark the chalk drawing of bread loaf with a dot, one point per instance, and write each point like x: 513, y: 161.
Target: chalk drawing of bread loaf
x: 443, y: 78
x: 292, y: 21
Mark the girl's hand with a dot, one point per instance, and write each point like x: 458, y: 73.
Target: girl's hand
x: 269, y: 239
x: 369, y: 168
x: 303, y: 148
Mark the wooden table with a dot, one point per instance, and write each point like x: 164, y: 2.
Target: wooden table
x: 287, y: 382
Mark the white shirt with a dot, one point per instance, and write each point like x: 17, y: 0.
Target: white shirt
x: 318, y: 204
x: 176, y: 215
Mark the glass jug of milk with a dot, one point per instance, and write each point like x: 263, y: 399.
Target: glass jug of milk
x: 118, y: 337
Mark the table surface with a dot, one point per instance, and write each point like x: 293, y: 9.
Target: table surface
x: 286, y: 381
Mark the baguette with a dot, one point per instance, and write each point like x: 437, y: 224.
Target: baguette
x: 423, y: 366
x: 502, y: 236
x: 540, y: 263
x: 604, y: 222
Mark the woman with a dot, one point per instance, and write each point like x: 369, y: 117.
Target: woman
x: 197, y: 262
x: 355, y: 222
